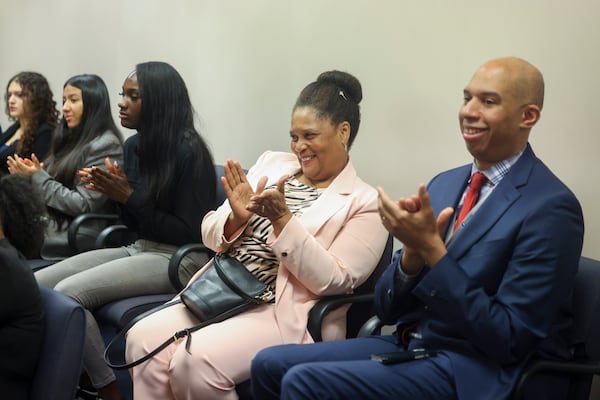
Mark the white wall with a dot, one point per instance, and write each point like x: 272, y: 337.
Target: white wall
x: 245, y: 61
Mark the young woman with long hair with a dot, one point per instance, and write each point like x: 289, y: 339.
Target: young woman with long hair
x: 164, y: 188
x: 86, y: 135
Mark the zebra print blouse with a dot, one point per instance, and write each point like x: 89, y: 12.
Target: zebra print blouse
x: 251, y: 247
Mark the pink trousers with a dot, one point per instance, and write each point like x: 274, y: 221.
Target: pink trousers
x: 220, y: 354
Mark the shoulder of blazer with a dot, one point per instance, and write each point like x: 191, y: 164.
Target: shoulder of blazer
x: 347, y: 182
x: 273, y: 165
x: 520, y: 172
x: 9, y: 132
x: 45, y: 128
x: 268, y: 158
x: 106, y: 138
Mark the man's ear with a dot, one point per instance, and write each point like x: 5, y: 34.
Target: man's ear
x: 531, y: 115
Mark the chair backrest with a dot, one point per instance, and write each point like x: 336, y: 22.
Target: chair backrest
x: 586, y: 306
x: 386, y: 258
x: 585, y: 338
x: 359, y: 313
x: 61, y: 357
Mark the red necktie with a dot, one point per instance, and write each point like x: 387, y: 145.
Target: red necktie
x: 477, y: 181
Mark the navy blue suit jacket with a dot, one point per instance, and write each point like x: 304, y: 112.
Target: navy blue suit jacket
x: 503, y: 291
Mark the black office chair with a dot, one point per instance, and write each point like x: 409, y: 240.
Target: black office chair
x: 361, y: 301
x: 78, y: 242
x: 586, y: 339
x: 361, y: 308
x: 61, y: 356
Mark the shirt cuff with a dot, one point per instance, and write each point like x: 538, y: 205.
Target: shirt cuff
x: 403, y: 276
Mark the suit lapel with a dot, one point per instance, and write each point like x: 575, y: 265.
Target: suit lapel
x: 501, y: 198
x: 486, y: 217
x: 449, y: 190
x: 318, y: 214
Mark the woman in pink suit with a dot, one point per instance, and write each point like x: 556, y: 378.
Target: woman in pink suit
x: 302, y: 222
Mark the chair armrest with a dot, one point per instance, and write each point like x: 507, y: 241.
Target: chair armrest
x: 178, y: 256
x: 371, y: 327
x: 79, y: 221
x: 102, y: 241
x: 567, y: 367
x: 325, y: 305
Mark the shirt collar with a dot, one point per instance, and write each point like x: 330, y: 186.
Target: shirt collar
x: 499, y: 170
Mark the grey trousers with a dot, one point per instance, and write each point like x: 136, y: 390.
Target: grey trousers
x: 98, y: 277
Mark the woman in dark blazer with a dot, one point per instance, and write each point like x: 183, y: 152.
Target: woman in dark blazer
x: 30, y: 103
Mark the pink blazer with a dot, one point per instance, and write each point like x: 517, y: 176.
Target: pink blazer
x: 331, y: 249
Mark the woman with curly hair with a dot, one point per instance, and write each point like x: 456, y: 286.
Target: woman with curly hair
x: 86, y: 135
x: 30, y: 103
x: 22, y: 225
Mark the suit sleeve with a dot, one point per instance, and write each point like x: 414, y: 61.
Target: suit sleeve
x: 536, y: 267
x: 393, y: 292
x: 394, y: 298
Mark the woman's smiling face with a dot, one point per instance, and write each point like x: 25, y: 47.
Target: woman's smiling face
x: 319, y: 145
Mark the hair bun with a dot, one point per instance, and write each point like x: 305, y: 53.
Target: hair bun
x: 347, y: 82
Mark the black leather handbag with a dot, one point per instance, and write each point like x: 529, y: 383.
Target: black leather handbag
x: 225, y: 289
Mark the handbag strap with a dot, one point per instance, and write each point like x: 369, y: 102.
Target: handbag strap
x: 122, y: 332
x: 177, y: 336
x: 184, y: 332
